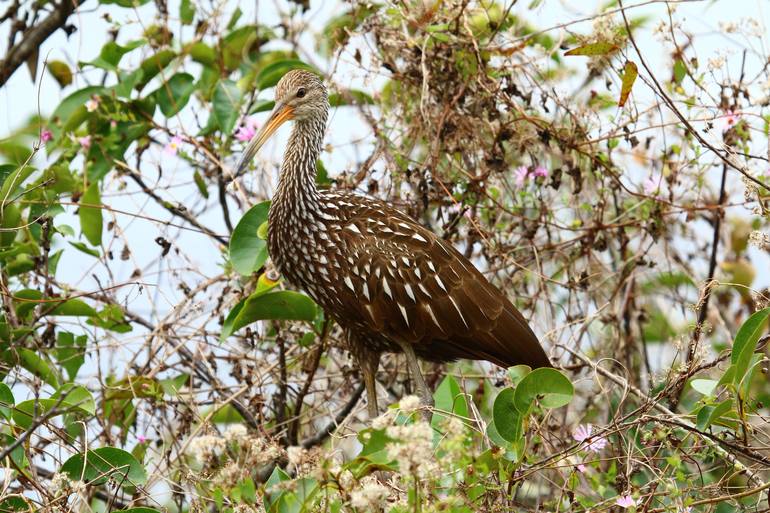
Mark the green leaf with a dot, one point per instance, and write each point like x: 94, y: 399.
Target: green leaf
x: 248, y: 251
x: 509, y: 421
x: 70, y: 352
x: 237, y: 13
x: 186, y: 12
x: 552, y: 388
x: 517, y: 373
x: 680, y: 71
x: 226, y: 105
x: 174, y: 94
x: 27, y: 300
x: 85, y: 249
x: 6, y: 401
x: 16, y: 504
x: 746, y: 342
x: 226, y: 414
x: 112, y: 53
x: 17, y: 455
x: 710, y: 414
x: 125, y: 3
x: 227, y: 326
x: 5, y: 171
x: 12, y: 183
x: 202, y: 53
x: 153, y: 65
x: 449, y: 397
x: 38, y: 366
x: 282, y: 305
x: 494, y: 435
x: 262, y: 106
x: 262, y: 230
x: 264, y: 284
x: 90, y: 214
x: 200, y: 184
x: 272, y: 73
x: 75, y: 308
x: 127, y: 82
x: 98, y: 465
x: 670, y: 280
x: 172, y: 386
x: 70, y: 104
x: 601, y: 48
x: 350, y: 97
x: 235, y: 45
x: 61, y: 72
x: 630, y: 72
x: 704, y: 386
x: 278, y: 476
x: 76, y: 396
x: 76, y: 399
x: 111, y: 318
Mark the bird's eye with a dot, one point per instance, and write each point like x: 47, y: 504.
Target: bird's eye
x: 301, y: 92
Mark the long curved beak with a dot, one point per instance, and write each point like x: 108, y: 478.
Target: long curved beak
x: 281, y: 114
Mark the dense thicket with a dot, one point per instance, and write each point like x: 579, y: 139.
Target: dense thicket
x: 609, y: 173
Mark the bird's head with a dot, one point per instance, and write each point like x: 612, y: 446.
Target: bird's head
x: 299, y: 95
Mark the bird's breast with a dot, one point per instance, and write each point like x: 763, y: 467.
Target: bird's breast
x: 304, y: 249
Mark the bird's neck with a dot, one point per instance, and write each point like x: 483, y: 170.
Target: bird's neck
x: 297, y: 191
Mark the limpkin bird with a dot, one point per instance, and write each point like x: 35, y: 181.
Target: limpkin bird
x: 391, y: 284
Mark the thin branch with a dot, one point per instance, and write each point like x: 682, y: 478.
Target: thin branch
x: 35, y: 37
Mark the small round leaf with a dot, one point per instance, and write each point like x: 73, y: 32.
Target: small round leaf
x: 248, y: 251
x: 98, y: 465
x: 508, y: 420
x: 551, y: 387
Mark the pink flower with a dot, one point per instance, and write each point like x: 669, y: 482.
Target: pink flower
x: 597, y: 445
x: 113, y: 124
x: 540, y: 171
x: 247, y: 131
x: 93, y: 103
x: 46, y: 135
x: 652, y: 185
x: 85, y: 141
x: 730, y: 119
x: 583, y: 434
x: 521, y: 174
x: 626, y: 501
x: 173, y: 145
x: 141, y: 438
x: 581, y: 468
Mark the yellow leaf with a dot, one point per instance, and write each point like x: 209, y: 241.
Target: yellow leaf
x: 594, y: 49
x: 61, y: 72
x: 630, y: 72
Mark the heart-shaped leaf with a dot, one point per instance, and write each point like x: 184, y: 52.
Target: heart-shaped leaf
x: 174, y: 94
x: 98, y: 465
x: 226, y: 104
x: 509, y: 421
x: 282, y: 305
x: 552, y: 388
x: 248, y: 251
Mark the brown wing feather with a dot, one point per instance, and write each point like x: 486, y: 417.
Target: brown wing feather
x: 405, y: 283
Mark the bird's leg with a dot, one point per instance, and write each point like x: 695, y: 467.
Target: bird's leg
x: 369, y: 364
x: 414, y: 369
x: 368, y: 361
